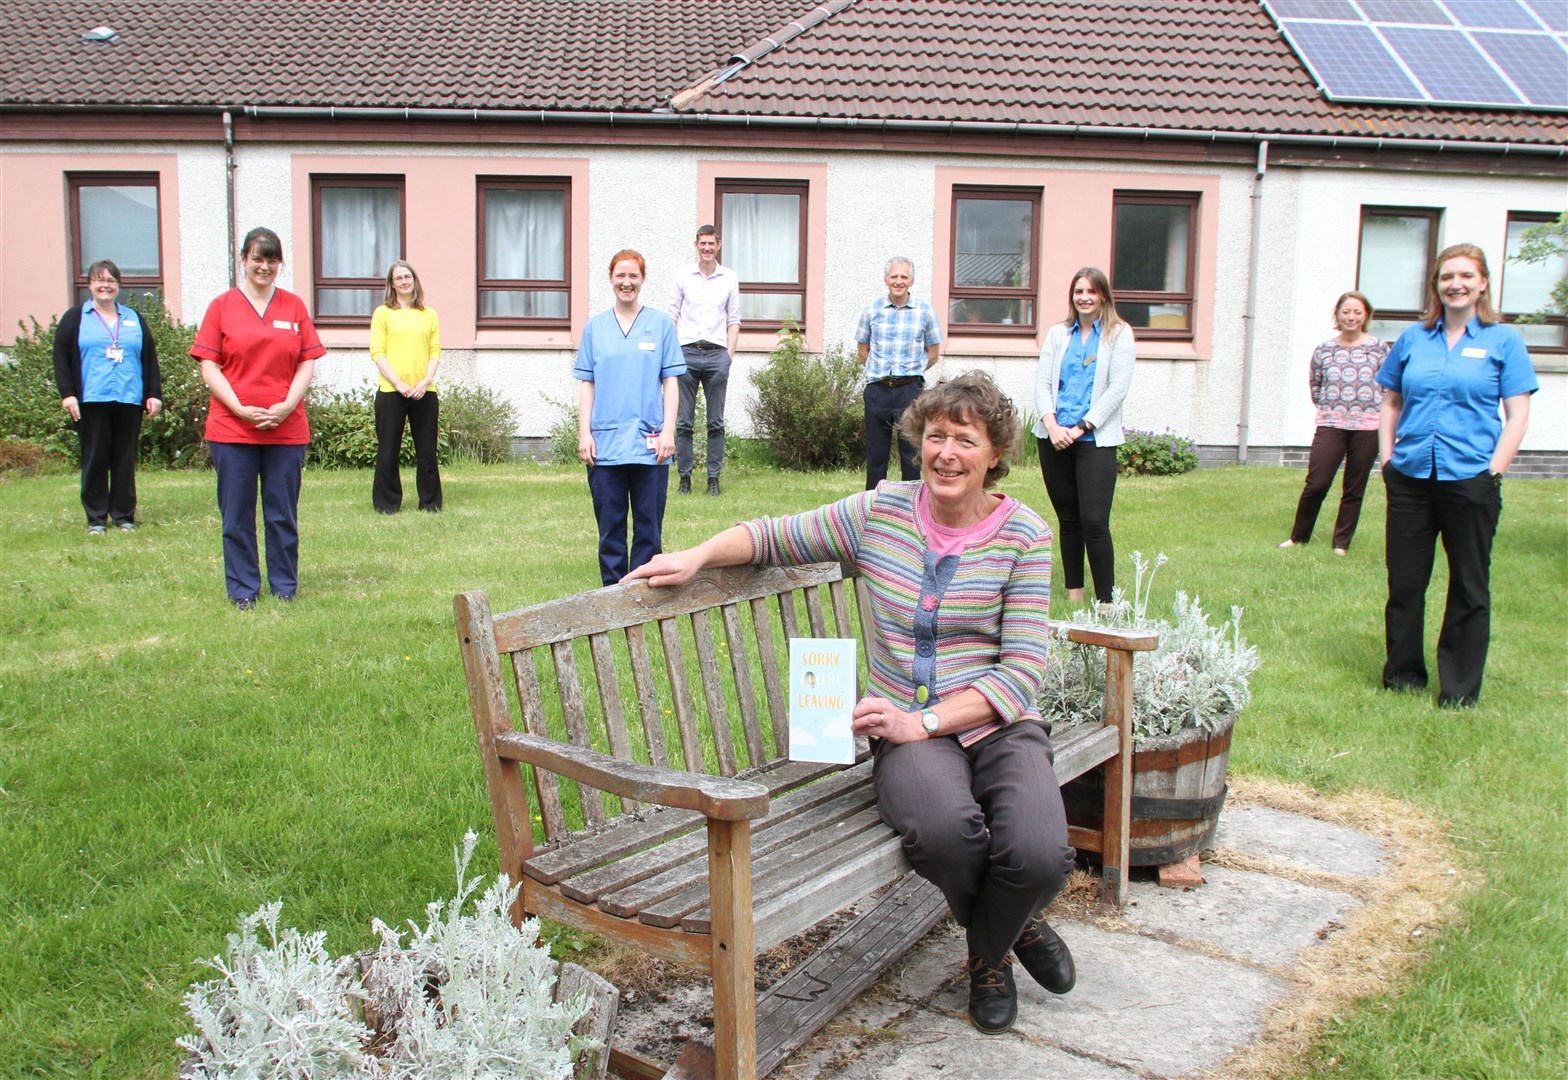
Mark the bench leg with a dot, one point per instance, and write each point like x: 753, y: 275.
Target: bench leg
x: 734, y: 962
x: 1116, y: 837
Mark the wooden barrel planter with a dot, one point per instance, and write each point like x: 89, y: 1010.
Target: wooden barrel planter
x: 1178, y: 788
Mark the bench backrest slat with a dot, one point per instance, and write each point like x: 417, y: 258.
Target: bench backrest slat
x: 647, y: 697
x: 610, y: 703
x: 814, y: 614
x: 772, y: 679
x: 570, y: 694
x: 680, y: 693
x: 740, y: 665
x: 531, y: 699
x: 713, y: 689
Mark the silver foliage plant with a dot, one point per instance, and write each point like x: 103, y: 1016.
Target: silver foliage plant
x: 467, y: 996
x: 1196, y: 678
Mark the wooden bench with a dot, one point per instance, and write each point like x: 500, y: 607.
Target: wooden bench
x: 687, y: 832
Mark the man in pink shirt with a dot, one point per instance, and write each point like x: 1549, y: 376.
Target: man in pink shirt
x: 706, y: 311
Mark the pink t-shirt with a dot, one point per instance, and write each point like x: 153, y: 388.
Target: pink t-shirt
x: 942, y: 540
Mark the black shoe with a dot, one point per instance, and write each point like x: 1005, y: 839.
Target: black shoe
x: 993, y: 998
x: 1046, y: 957
x: 685, y: 488
x: 713, y: 485
x: 244, y: 603
x: 1404, y: 683
x: 1456, y: 701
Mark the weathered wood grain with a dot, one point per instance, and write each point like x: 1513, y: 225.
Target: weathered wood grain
x: 647, y: 697
x: 713, y: 691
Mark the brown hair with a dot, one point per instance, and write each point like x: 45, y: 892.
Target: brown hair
x: 1352, y: 294
x: 1483, y: 305
x: 971, y: 398
x: 390, y: 300
x: 1109, y: 320
x: 264, y: 242
x: 107, y: 266
x: 627, y: 254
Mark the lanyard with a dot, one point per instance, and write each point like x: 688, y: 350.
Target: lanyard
x: 114, y: 331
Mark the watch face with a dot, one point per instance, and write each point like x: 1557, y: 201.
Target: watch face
x: 931, y: 721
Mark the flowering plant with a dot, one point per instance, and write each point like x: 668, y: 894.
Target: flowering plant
x: 1195, y: 678
x: 1148, y: 454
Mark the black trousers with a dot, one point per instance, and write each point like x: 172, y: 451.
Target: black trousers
x: 1330, y: 446
x: 885, y: 405
x: 1464, y: 514
x: 111, y: 434
x: 1081, y: 482
x: 983, y: 823
x: 422, y: 416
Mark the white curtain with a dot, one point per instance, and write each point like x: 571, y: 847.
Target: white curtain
x: 1393, y: 261
x: 361, y: 231
x: 120, y: 222
x: 762, y: 236
x: 525, y: 239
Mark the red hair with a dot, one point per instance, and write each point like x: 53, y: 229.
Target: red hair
x: 628, y: 255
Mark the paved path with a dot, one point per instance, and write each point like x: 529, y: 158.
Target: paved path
x: 1177, y: 989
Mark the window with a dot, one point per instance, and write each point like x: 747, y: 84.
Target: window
x: 358, y: 228
x: 115, y: 217
x: 996, y: 234
x: 1152, y: 261
x: 1397, y: 249
x: 524, y: 241
x: 762, y: 224
x: 1527, y: 287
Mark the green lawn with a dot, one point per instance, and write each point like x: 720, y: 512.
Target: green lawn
x: 167, y: 763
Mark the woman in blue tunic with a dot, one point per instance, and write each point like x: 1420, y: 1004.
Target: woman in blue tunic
x: 1444, y: 453
x: 106, y: 368
x: 629, y: 362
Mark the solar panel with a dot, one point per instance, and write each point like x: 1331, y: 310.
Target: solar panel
x: 1479, y: 53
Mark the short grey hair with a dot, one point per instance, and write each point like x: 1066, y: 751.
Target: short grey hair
x: 887, y: 268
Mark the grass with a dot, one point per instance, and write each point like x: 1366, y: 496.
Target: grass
x: 167, y: 763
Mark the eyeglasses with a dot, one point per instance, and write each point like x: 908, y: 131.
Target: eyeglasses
x: 102, y: 281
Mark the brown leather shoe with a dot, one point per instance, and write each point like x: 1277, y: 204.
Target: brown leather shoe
x: 993, y: 997
x: 1046, y: 956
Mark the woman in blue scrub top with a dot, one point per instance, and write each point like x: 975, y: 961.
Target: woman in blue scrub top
x: 1444, y: 453
x: 106, y: 367
x: 1085, y: 371
x: 629, y: 361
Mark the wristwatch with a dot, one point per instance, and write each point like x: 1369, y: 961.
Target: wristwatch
x: 1087, y: 427
x: 931, y: 722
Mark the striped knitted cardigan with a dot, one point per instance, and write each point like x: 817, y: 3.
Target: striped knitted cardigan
x: 977, y: 619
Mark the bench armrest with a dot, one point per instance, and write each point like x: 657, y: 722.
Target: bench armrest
x: 717, y: 797
x: 1109, y: 637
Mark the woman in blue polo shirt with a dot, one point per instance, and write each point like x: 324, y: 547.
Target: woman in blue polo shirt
x: 1444, y: 452
x: 629, y: 362
x: 106, y: 368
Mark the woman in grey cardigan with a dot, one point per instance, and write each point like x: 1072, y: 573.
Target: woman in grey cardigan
x: 1085, y: 370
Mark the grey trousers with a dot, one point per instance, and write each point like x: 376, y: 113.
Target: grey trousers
x: 709, y: 369
x: 984, y: 824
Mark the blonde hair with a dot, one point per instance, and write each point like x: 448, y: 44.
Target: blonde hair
x: 1483, y: 305
x: 1109, y: 320
x: 1352, y: 294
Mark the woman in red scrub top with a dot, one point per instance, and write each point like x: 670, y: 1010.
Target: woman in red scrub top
x: 257, y: 350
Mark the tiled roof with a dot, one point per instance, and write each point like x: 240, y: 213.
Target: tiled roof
x: 1206, y: 65
x: 466, y: 54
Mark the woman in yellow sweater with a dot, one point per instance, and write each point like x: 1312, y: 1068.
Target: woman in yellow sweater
x: 405, y: 343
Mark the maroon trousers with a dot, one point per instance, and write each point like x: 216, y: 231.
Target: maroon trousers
x: 1330, y: 447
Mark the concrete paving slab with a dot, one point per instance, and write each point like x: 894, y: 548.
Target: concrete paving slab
x: 1140, y: 1004
x: 944, y: 1048
x: 1293, y: 840
x: 1257, y: 917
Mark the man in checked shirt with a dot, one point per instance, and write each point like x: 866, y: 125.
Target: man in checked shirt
x: 899, y: 339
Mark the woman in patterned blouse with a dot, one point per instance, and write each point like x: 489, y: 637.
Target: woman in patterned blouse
x: 1347, y: 396
x: 958, y: 579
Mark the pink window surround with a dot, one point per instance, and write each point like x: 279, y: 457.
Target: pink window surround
x: 440, y: 212
x: 1076, y: 209
x: 35, y: 218
x: 815, y: 176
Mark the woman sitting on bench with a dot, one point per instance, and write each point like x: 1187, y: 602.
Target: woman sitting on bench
x: 959, y: 583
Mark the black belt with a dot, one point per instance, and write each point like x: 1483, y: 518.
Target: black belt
x: 704, y: 345
x: 902, y: 380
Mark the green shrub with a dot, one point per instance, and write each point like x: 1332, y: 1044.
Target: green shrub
x: 564, y: 435
x: 30, y: 401
x: 808, y: 408
x: 1147, y: 454
x: 476, y: 425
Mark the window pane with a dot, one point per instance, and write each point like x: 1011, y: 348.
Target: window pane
x: 990, y: 310
x: 770, y: 307
x: 525, y: 237
x: 1542, y: 335
x: 1156, y: 316
x: 762, y: 238
x: 523, y: 304
x: 1151, y: 247
x: 1393, y: 266
x: 992, y: 247
x: 361, y: 233
x: 120, y: 222
x: 1527, y: 287
x: 347, y: 301
x: 1387, y: 329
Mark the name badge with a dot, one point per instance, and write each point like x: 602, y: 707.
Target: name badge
x: 284, y: 324
x: 114, y: 353
x: 1474, y: 354
x: 653, y: 444
x: 129, y: 322
x: 645, y: 346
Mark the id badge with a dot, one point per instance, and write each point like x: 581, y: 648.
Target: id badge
x: 115, y: 353
x: 653, y: 444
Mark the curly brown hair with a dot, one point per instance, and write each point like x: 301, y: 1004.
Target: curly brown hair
x: 971, y: 398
